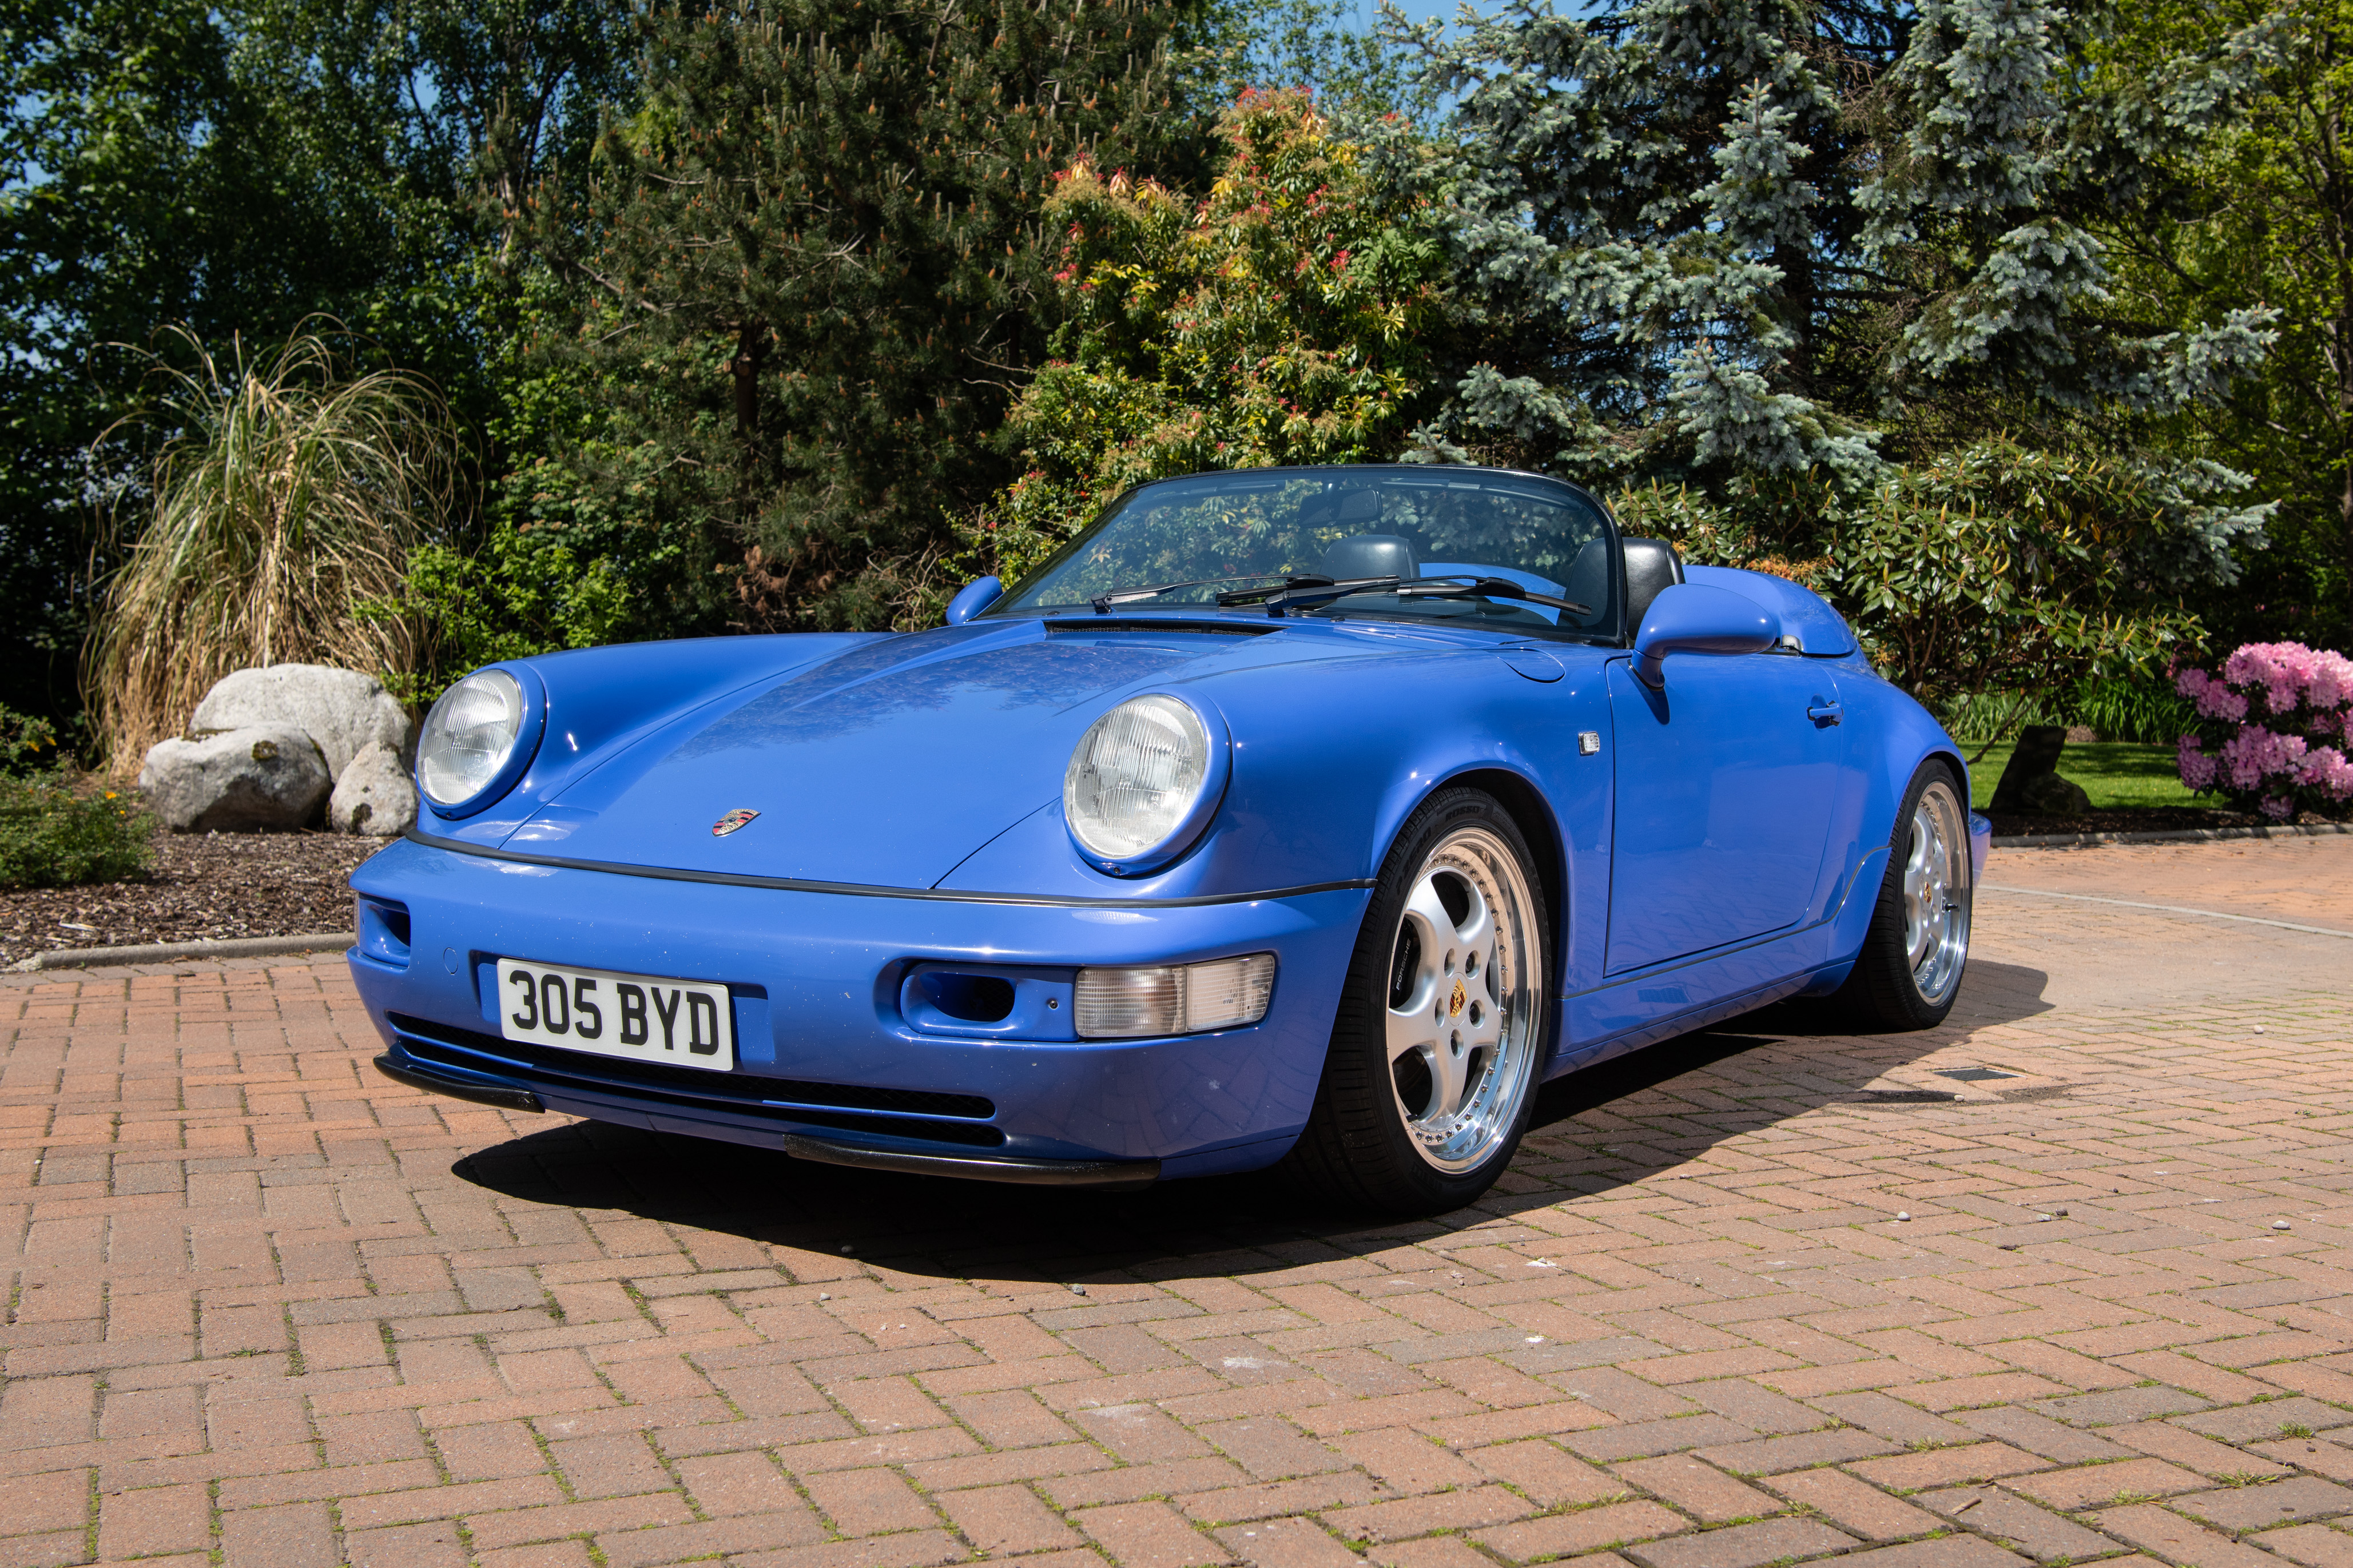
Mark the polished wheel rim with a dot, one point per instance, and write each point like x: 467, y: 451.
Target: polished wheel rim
x: 1937, y: 894
x: 1463, y: 1000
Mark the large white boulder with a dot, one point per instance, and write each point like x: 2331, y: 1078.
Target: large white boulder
x: 341, y: 710
x: 374, y: 795
x: 258, y: 776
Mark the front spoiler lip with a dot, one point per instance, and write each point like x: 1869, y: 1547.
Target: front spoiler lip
x: 419, y: 1074
x: 1110, y: 1174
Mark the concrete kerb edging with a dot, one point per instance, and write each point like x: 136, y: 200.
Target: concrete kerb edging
x: 174, y: 951
x: 2172, y: 836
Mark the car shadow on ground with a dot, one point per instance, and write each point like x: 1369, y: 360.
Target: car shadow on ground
x: 1591, y: 1132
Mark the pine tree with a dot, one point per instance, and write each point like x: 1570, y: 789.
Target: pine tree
x: 817, y: 253
x: 1768, y: 236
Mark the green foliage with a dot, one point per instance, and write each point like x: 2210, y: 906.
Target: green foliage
x: 521, y: 593
x: 231, y: 168
x: 2143, y: 709
x: 1994, y: 568
x: 1288, y: 318
x: 56, y: 831
x: 53, y: 835
x: 1302, y: 46
x: 23, y: 738
x: 2270, y: 224
x: 810, y: 261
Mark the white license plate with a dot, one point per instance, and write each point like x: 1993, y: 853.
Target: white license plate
x: 641, y: 1018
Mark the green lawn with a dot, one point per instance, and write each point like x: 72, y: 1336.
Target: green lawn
x: 2112, y: 772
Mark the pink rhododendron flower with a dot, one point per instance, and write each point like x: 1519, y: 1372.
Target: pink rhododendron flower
x: 2220, y: 702
x: 2326, y: 768
x: 2267, y: 719
x: 2253, y: 754
x: 2197, y: 767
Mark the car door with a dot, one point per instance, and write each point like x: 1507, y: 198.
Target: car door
x: 1725, y: 783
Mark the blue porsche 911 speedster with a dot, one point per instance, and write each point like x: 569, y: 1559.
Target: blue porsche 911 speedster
x: 1297, y: 814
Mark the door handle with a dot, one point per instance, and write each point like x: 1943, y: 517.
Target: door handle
x: 1825, y: 713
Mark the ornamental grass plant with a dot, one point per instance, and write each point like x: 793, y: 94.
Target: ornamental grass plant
x: 288, y: 496
x: 2271, y: 729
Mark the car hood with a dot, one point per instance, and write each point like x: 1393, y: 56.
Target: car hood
x: 886, y: 765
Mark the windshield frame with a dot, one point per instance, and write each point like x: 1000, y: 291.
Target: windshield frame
x: 1606, y: 635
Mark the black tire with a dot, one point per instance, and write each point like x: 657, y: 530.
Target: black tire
x: 1481, y: 998
x: 1910, y: 969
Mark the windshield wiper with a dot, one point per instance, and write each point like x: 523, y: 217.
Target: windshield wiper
x: 1310, y: 591
x: 1104, y: 601
x: 1487, y: 588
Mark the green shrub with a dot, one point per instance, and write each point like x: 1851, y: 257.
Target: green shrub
x: 52, y: 834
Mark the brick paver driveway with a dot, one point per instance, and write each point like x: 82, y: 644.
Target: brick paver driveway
x: 268, y: 1306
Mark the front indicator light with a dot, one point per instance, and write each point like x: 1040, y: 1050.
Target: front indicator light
x: 1172, y: 999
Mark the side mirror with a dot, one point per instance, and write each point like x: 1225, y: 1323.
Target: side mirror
x: 1691, y: 617
x: 973, y: 598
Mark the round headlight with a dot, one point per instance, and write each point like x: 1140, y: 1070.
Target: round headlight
x: 470, y: 737
x: 1139, y: 785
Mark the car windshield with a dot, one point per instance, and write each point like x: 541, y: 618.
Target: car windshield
x: 1195, y: 538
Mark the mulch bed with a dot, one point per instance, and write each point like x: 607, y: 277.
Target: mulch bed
x: 201, y: 888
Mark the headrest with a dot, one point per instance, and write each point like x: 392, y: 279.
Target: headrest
x: 1370, y: 555
x: 1341, y: 506
x: 1652, y: 568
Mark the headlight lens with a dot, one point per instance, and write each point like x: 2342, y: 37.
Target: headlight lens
x: 470, y: 736
x: 1136, y: 778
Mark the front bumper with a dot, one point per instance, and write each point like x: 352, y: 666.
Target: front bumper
x: 828, y: 1066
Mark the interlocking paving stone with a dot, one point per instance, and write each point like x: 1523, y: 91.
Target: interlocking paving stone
x: 2015, y: 1522
x: 267, y: 1306
x: 2275, y: 1502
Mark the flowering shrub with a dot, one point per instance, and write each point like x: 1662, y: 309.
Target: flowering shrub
x: 57, y: 828
x: 2272, y: 728
x: 1288, y: 316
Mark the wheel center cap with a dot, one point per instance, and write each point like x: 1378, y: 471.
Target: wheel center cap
x: 1455, y: 1005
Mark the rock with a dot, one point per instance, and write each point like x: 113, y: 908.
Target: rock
x: 341, y: 710
x: 257, y: 776
x: 2052, y: 795
x: 374, y: 795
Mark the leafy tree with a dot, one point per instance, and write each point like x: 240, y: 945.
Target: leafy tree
x: 232, y: 169
x: 2271, y: 222
x: 1992, y: 567
x: 813, y: 255
x: 1288, y: 316
x: 1778, y: 257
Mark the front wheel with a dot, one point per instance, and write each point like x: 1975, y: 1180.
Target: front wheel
x: 1910, y: 967
x: 1433, y: 1059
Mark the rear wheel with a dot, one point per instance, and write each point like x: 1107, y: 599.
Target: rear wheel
x: 1433, y: 1063
x: 1910, y: 967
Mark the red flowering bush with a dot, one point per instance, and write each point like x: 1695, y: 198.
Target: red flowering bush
x: 2272, y: 728
x: 1286, y: 317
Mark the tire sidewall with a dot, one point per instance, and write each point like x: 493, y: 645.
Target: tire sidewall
x: 1362, y: 1024
x: 1887, y: 924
